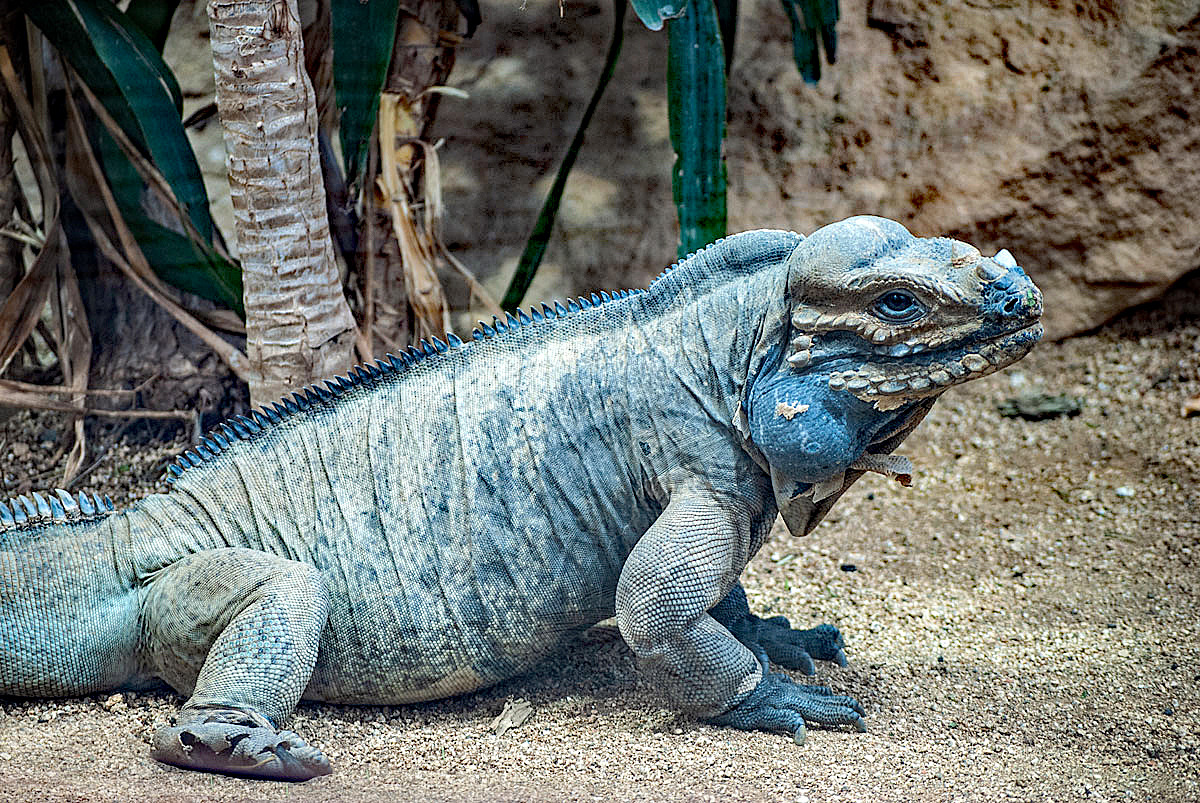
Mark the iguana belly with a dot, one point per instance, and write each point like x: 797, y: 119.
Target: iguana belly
x: 401, y: 643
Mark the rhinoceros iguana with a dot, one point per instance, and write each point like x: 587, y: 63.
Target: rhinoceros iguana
x: 439, y: 521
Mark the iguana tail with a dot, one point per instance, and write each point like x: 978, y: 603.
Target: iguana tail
x: 68, y: 610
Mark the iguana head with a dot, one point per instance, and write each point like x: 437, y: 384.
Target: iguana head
x: 896, y: 317
x: 879, y: 323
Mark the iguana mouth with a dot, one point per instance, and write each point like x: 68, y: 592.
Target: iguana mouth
x: 895, y: 382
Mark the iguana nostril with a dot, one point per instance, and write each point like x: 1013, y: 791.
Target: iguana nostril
x: 1011, y: 305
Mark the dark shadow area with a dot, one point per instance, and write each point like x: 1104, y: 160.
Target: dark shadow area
x: 1178, y: 305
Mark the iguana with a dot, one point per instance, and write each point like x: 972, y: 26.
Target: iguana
x: 437, y: 522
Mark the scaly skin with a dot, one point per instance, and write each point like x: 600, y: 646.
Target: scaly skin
x: 436, y: 524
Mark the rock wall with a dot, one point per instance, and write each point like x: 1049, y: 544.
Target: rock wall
x: 1065, y: 132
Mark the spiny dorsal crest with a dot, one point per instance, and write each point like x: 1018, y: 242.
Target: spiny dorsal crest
x: 56, y: 507
x: 245, y: 427
x: 707, y: 260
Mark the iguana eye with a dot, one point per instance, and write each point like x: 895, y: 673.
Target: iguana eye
x: 898, y: 306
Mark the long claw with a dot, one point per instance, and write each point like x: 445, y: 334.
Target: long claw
x: 839, y: 657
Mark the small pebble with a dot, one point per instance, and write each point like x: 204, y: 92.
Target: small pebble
x: 115, y: 702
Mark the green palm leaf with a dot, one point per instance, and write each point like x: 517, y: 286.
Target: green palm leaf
x: 364, y: 32
x: 696, y: 110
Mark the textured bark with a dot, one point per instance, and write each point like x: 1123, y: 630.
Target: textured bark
x: 137, y: 339
x: 298, y: 324
x: 404, y: 299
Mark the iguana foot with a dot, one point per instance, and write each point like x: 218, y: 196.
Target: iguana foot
x: 792, y: 649
x: 237, y: 743
x: 779, y: 703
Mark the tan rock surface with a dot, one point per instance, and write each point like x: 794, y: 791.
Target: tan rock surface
x: 1067, y: 136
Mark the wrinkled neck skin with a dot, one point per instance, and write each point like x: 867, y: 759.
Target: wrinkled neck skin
x: 800, y: 430
x: 725, y: 350
x: 689, y: 351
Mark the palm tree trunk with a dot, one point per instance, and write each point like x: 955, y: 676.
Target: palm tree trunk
x: 298, y: 324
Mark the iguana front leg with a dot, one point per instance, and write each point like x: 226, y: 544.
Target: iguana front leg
x: 239, y: 629
x: 775, y: 638
x: 686, y: 563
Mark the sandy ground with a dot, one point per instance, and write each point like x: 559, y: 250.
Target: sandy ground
x: 1023, y: 625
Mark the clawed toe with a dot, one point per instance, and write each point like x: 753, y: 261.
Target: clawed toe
x: 238, y: 743
x: 823, y: 642
x: 796, y: 649
x: 780, y: 704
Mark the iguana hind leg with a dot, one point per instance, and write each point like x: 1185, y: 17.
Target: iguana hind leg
x: 239, y: 629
